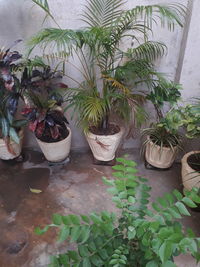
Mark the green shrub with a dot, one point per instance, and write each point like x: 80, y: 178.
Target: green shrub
x: 142, y: 235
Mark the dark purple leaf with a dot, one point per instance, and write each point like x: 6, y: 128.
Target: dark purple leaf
x: 40, y: 128
x: 50, y: 120
x: 54, y: 132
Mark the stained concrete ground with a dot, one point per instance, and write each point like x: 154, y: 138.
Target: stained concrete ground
x: 72, y: 188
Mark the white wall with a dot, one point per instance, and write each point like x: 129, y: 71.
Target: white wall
x: 21, y: 19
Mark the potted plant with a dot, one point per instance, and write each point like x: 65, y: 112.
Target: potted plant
x: 191, y: 160
x: 141, y: 234
x: 11, y: 133
x: 162, y: 139
x: 48, y: 124
x: 161, y: 145
x: 110, y: 74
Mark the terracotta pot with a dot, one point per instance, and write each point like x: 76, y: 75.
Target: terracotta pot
x: 56, y: 151
x: 17, y: 148
x: 159, y: 158
x: 104, y: 146
x: 190, y: 177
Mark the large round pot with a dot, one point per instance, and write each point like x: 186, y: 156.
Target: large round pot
x: 104, y: 146
x: 158, y: 157
x: 190, y: 177
x: 57, y: 151
x: 17, y: 148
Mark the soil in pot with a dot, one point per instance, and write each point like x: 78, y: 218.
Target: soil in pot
x: 47, y: 138
x: 111, y: 130
x: 194, y: 162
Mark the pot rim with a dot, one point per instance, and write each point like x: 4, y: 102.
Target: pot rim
x: 185, y: 157
x: 121, y: 131
x: 62, y: 141
x: 159, y: 147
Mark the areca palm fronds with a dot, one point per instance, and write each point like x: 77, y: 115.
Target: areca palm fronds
x: 98, y: 46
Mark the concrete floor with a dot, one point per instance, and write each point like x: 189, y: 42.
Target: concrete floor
x: 74, y: 188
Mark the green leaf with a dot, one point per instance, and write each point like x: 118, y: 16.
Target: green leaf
x: 75, y: 233
x: 85, y: 218
x: 177, y: 194
x: 152, y: 264
x: 85, y: 234
x: 57, y: 219
x: 183, y: 210
x: 40, y: 231
x: 64, y: 233
x: 112, y: 190
x: 165, y: 251
x: 131, y: 170
x: 173, y: 211
x: 73, y: 255
x: 131, y: 199
x: 119, y: 168
x: 96, y: 260
x: 86, y: 262
x: 168, y: 264
x: 66, y: 220
x: 103, y: 254
x: 108, y: 182
x: 189, y: 202
x: 95, y: 218
x: 83, y: 251
x: 74, y: 219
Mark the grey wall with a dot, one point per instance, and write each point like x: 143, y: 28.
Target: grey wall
x: 21, y: 19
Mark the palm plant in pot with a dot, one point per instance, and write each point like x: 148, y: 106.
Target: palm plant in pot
x: 110, y: 73
x: 45, y: 115
x: 11, y: 133
x: 162, y: 139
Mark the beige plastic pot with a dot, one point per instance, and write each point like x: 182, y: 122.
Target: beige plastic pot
x: 17, y: 148
x: 104, y: 146
x: 159, y: 158
x: 190, y: 177
x: 57, y: 151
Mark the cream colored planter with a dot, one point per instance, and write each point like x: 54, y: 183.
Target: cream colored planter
x: 57, y: 151
x: 158, y: 158
x: 190, y: 177
x: 17, y: 148
x: 104, y: 146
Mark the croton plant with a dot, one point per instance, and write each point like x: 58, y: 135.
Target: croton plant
x: 10, y: 93
x: 43, y: 110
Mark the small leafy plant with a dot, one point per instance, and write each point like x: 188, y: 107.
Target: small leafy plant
x: 142, y: 235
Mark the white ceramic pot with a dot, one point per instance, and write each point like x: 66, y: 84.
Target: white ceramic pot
x: 17, y: 148
x: 104, y: 146
x: 56, y: 151
x: 190, y: 177
x: 159, y: 158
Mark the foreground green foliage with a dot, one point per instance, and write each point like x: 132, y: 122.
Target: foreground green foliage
x: 142, y: 235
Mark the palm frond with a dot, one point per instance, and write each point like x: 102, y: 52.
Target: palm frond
x: 149, y: 51
x: 44, y: 5
x: 102, y: 13
x: 168, y: 15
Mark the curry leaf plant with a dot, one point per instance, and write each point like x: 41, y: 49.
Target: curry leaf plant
x: 142, y: 234
x: 98, y: 45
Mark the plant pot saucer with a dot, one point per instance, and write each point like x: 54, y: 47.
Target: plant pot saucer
x: 148, y: 166
x: 63, y: 162
x: 104, y: 163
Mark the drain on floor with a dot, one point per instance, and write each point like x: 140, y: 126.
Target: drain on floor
x: 16, y: 247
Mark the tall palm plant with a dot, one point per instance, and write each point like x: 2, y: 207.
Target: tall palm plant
x: 98, y: 46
